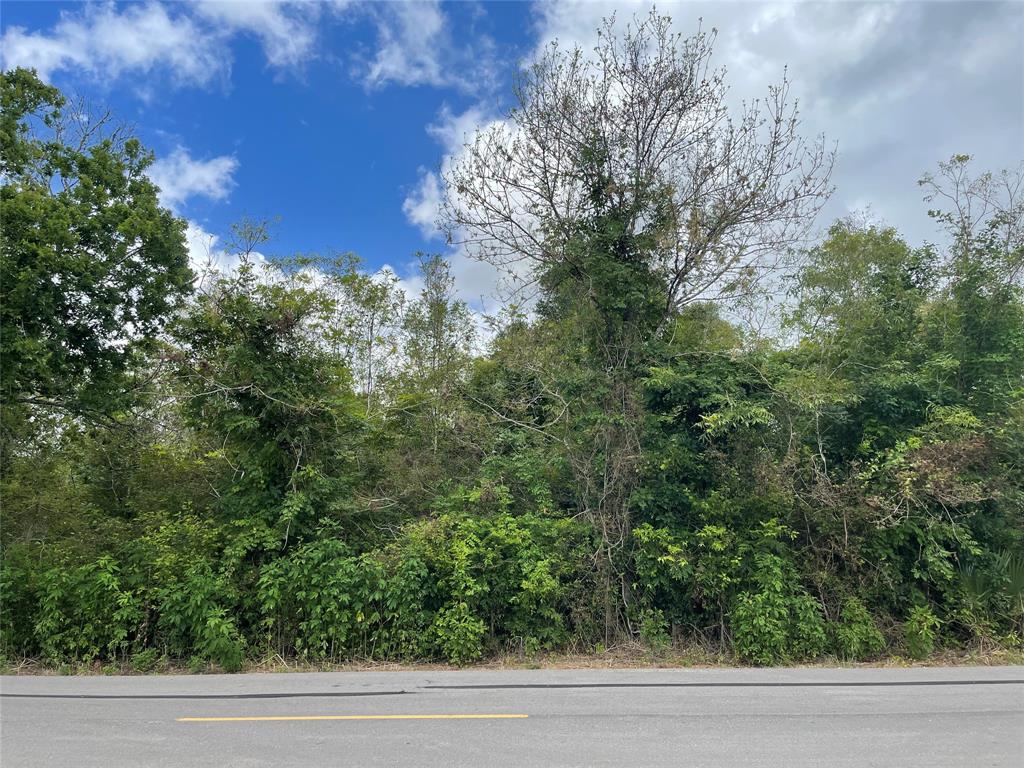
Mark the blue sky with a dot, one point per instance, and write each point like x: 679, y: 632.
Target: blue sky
x: 332, y: 154
x: 337, y: 116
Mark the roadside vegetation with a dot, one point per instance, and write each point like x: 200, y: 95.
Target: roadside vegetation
x: 692, y: 429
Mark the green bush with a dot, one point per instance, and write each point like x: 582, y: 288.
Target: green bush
x: 920, y: 631
x: 219, y: 641
x: 654, y: 630
x: 458, y: 633
x: 86, y: 613
x: 309, y: 600
x: 195, y: 619
x: 807, y: 636
x: 19, y: 602
x: 512, y: 572
x: 777, y: 621
x: 145, y: 660
x: 855, y: 636
x: 322, y: 602
x: 760, y: 622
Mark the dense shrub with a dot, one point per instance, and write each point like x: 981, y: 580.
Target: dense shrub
x: 458, y: 633
x: 195, y: 618
x: 776, y: 620
x: 856, y: 636
x: 300, y: 460
x: 920, y: 630
x: 87, y: 613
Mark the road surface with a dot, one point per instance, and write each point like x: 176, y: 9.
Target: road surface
x: 710, y: 717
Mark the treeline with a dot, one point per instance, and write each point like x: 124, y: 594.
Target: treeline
x: 294, y: 458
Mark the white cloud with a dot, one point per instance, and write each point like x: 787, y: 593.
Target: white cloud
x: 423, y: 204
x: 483, y: 286
x: 877, y: 78
x: 477, y: 283
x: 180, y: 176
x: 203, y: 252
x: 204, y: 256
x: 415, y: 46
x: 286, y: 31
x: 104, y: 41
x: 452, y: 131
x: 191, y: 42
x: 412, y: 37
x: 209, y: 259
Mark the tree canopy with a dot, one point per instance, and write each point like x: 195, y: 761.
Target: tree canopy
x: 92, y: 266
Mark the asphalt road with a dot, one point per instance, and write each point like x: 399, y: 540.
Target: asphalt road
x: 792, y: 717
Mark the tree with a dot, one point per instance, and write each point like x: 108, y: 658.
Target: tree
x: 91, y: 266
x: 644, y: 124
x: 621, y: 185
x: 980, y: 318
x: 376, y: 308
x: 983, y: 212
x: 274, y: 399
x: 438, y: 332
x: 428, y: 437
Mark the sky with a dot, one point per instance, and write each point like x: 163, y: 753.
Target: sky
x: 336, y: 118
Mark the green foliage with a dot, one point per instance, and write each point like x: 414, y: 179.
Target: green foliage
x: 86, y: 251
x: 856, y: 636
x: 659, y: 560
x: 193, y: 616
x: 515, y: 573
x: 300, y: 460
x: 146, y: 660
x: 920, y: 631
x: 19, y: 589
x: 87, y: 613
x: 653, y: 630
x: 322, y: 602
x: 458, y: 633
x: 775, y: 622
x: 275, y: 399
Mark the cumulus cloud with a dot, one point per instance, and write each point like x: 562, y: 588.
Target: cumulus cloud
x: 286, y: 31
x: 415, y: 46
x: 422, y: 205
x: 477, y: 283
x: 181, y: 176
x: 189, y: 42
x: 208, y: 258
x: 452, y: 131
x: 412, y: 37
x: 102, y: 40
x: 898, y: 86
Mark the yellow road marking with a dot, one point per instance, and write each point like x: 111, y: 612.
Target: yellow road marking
x: 346, y: 717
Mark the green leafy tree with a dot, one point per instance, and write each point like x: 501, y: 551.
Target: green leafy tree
x: 274, y: 399
x: 91, y: 266
x: 439, y: 332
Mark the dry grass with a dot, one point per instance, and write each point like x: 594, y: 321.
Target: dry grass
x: 622, y: 657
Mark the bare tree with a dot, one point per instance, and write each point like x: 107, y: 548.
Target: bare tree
x: 984, y: 210
x: 737, y: 190
x: 622, y: 186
